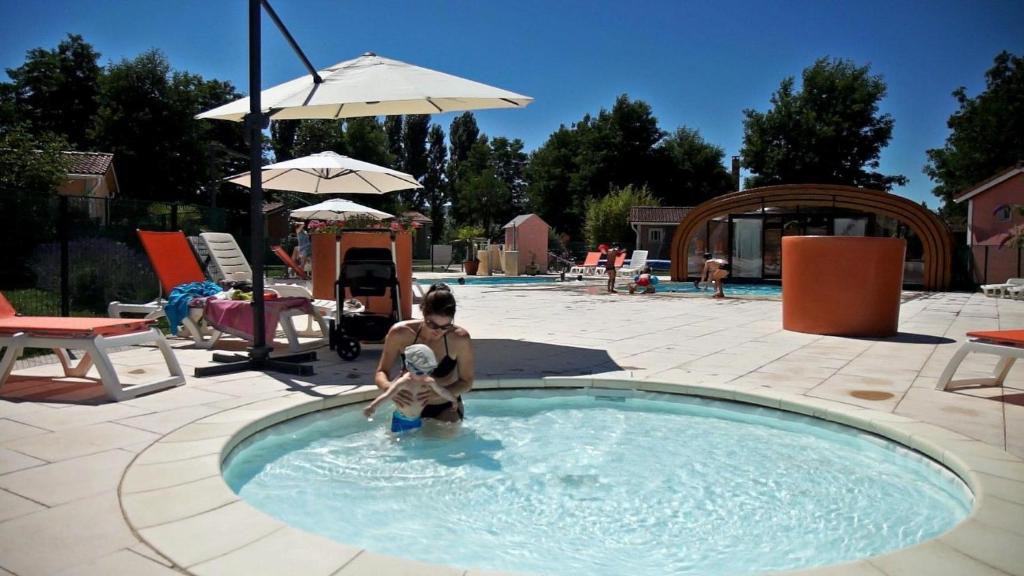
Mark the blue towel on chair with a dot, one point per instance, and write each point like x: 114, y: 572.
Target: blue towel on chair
x: 177, y: 303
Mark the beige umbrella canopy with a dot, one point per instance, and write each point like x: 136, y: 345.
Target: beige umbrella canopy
x: 372, y: 85
x: 337, y: 209
x: 330, y: 173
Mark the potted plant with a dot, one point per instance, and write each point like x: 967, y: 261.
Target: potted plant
x: 469, y: 235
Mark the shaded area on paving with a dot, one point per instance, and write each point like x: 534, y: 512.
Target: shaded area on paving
x: 524, y: 359
x: 909, y: 338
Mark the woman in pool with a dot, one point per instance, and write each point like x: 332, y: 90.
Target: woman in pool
x: 451, y: 344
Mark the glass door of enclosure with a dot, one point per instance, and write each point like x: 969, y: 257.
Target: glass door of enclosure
x: 746, y: 247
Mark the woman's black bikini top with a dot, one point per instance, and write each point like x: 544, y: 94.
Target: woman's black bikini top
x: 445, y: 365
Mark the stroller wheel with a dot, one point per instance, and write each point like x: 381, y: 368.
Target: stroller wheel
x: 349, y: 349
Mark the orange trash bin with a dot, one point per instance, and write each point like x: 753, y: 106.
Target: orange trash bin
x: 842, y: 285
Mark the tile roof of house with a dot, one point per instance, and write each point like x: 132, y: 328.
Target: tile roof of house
x: 270, y: 207
x: 657, y: 214
x: 518, y: 220
x: 989, y: 182
x: 415, y: 216
x: 97, y: 163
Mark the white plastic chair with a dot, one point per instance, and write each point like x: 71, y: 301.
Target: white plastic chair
x: 636, y: 263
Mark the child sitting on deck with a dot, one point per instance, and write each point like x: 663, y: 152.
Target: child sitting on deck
x: 420, y: 362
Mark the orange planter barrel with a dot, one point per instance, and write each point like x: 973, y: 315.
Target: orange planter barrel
x: 842, y: 285
x: 325, y: 275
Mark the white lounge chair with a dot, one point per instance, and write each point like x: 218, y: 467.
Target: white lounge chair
x: 1007, y: 344
x: 1008, y: 288
x: 636, y: 263
x: 227, y: 255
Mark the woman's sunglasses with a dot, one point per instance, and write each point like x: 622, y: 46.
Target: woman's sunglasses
x: 435, y: 326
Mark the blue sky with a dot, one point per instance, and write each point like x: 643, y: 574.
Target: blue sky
x: 698, y: 64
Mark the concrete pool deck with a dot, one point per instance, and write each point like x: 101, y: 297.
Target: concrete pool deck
x: 65, y: 493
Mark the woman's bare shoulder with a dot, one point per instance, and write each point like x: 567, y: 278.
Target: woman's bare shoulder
x: 404, y: 330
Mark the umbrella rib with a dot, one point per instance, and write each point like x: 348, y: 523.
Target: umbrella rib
x: 360, y: 176
x: 512, y: 102
x: 338, y: 113
x: 431, y: 101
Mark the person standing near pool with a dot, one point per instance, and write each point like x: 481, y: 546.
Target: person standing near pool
x: 609, y: 266
x: 451, y: 344
x: 715, y: 270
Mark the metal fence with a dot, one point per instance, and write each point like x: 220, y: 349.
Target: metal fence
x: 72, y: 255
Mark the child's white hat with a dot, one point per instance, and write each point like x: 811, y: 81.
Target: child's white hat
x: 419, y: 358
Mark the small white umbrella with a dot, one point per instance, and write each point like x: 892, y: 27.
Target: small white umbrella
x: 330, y: 173
x: 337, y: 209
x: 372, y: 85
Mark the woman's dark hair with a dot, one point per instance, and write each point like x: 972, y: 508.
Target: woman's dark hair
x: 438, y: 301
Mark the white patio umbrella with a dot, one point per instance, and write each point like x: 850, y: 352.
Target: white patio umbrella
x: 372, y: 85
x: 330, y: 173
x: 337, y: 209
x: 365, y: 86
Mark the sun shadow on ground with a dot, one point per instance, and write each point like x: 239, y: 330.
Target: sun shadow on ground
x: 504, y: 358
x: 909, y: 338
x: 54, y: 389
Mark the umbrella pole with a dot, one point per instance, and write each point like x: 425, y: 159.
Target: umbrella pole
x: 259, y: 355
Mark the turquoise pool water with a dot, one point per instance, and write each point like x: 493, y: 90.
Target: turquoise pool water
x: 773, y: 290
x: 625, y: 483
x: 492, y: 280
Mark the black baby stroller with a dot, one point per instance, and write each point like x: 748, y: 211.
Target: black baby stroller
x: 365, y: 273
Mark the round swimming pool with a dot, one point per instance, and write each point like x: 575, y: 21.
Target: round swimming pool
x: 490, y: 280
x: 601, y: 483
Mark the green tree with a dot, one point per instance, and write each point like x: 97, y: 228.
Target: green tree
x: 616, y: 148
x: 31, y: 168
x: 828, y: 132
x: 315, y: 136
x: 435, y: 185
x: 608, y: 217
x: 56, y: 91
x: 146, y: 118
x: 694, y: 170
x: 986, y: 134
x: 282, y: 139
x: 509, y: 163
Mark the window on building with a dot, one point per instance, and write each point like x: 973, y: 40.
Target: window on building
x: 654, y: 235
x: 1003, y: 213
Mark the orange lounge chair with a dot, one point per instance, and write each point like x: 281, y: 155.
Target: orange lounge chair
x: 1007, y: 344
x: 174, y: 263
x: 284, y: 257
x: 95, y: 336
x: 589, y: 264
x: 620, y: 260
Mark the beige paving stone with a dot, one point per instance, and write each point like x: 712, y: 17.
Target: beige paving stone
x: 975, y: 417
x: 11, y: 429
x: 12, y: 506
x: 287, y: 551
x: 11, y: 461
x: 155, y: 507
x: 380, y: 565
x: 74, y: 442
x: 163, y: 422
x: 933, y: 558
x: 1002, y: 514
x: 162, y: 452
x: 147, y: 477
x: 867, y: 392
x: 69, y: 480
x: 1001, y: 549
x: 122, y: 562
x: 188, y: 395
x: 78, y: 416
x: 142, y: 549
x: 207, y: 536
x: 57, y: 538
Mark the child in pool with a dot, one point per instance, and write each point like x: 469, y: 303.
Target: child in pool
x: 419, y: 361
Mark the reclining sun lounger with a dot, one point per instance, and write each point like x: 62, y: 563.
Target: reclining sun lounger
x: 589, y: 264
x: 1007, y: 288
x: 1007, y: 344
x: 93, y: 335
x: 636, y: 263
x: 174, y: 264
x: 284, y: 257
x: 225, y: 252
